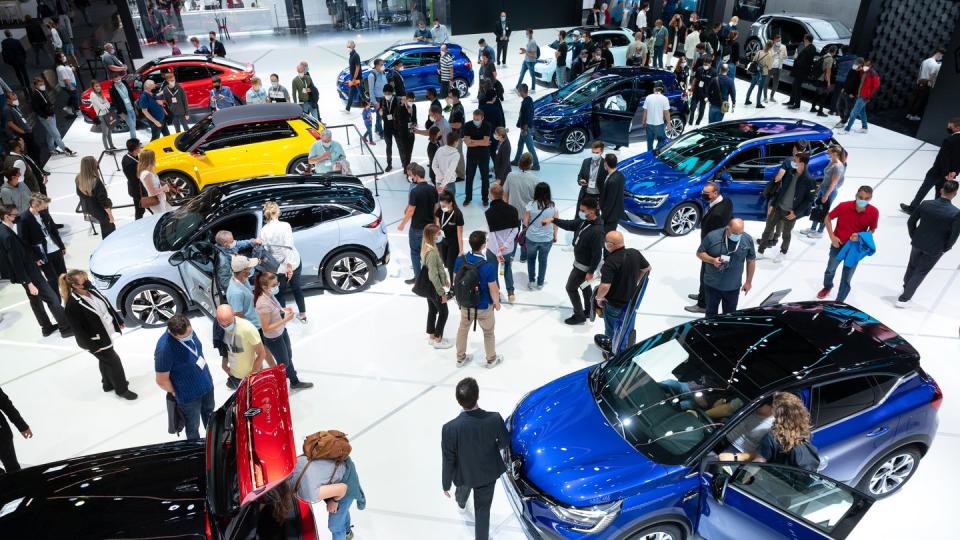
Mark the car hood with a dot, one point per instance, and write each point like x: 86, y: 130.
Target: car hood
x: 568, y: 449
x: 162, y: 147
x: 142, y: 492
x: 645, y: 174
x: 549, y: 106
x: 130, y: 245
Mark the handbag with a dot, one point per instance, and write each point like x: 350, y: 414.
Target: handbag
x: 522, y: 235
x: 423, y: 287
x: 725, y: 107
x: 149, y: 201
x: 268, y: 262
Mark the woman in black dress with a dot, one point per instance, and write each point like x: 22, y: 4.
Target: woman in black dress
x: 93, y: 196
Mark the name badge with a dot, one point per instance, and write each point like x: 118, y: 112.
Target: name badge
x: 201, y: 363
x: 389, y: 117
x: 173, y: 100
x: 701, y: 84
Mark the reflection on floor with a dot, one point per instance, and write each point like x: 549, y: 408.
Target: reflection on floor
x: 377, y: 380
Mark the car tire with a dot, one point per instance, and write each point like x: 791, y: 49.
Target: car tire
x: 752, y: 46
x: 574, y: 141
x: 675, y: 128
x: 659, y: 532
x: 152, y: 304
x: 349, y: 272
x: 682, y: 219
x: 186, y: 187
x: 889, y: 474
x: 299, y: 165
x: 462, y: 85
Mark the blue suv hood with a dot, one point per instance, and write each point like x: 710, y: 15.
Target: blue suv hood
x: 569, y: 450
x: 647, y: 175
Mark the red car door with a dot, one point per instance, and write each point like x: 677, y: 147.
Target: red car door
x: 195, y: 80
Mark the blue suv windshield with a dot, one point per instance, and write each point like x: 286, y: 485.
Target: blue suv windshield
x: 699, y: 151
x: 584, y: 89
x: 661, y: 396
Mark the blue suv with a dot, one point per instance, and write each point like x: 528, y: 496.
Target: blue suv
x: 604, y: 104
x: 420, y: 64
x: 662, y: 188
x: 628, y: 449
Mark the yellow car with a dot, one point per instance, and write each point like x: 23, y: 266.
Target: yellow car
x: 246, y: 141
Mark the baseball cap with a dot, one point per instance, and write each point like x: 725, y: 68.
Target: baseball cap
x: 239, y: 263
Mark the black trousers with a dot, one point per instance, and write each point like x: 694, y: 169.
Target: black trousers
x: 920, y: 264
x: 444, y: 89
x: 796, y: 90
x: 715, y: 297
x: 112, y: 375
x: 697, y: 105
x: 473, y: 163
x: 437, y: 313
x: 22, y: 75
x: 405, y: 143
x: 389, y: 137
x: 930, y: 181
x: 777, y: 223
x: 52, y: 269
x: 156, y: 131
x: 8, y: 453
x: 106, y: 228
x: 482, y: 499
x: 502, y: 47
x: 47, y: 296
x: 701, y: 296
x: 449, y: 251
x: 918, y: 101
x: 576, y: 278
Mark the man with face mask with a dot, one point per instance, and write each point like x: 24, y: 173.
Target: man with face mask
x: 869, y: 84
x: 726, y: 252
x: 404, y: 122
x: 933, y: 228
x: 477, y: 135
x: 439, y: 32
x: 592, y: 173
x: 241, y: 348
x: 176, y: 101
x: 502, y: 33
x: 421, y: 205
x: 718, y: 214
x: 227, y: 247
x: 353, y: 68
x: 792, y: 200
x: 302, y: 88
x: 277, y: 93
x: 421, y: 33
x: 325, y: 154
x: 848, y: 94
x: 387, y: 118
x: 42, y: 104
x: 945, y: 167
x: 778, y: 54
x: 153, y: 111
x: 854, y: 218
x: 588, y: 239
x: 700, y: 82
x: 182, y: 371
x: 221, y: 97
x: 927, y: 78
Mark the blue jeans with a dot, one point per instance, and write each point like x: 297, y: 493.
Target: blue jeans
x: 733, y: 70
x: 658, y: 56
x: 293, y: 284
x: 715, y: 114
x: 859, y: 111
x: 526, y: 139
x: 537, y: 253
x: 131, y: 121
x: 528, y: 66
x: 352, y: 95
x: 845, y: 275
x: 416, y: 241
x: 561, y: 76
x: 308, y: 108
x: 282, y: 351
x: 507, y: 269
x: 612, y: 319
x: 819, y: 225
x: 53, y: 134
x: 195, y: 412
x: 368, y: 134
x: 657, y: 133
x: 339, y: 522
x: 758, y: 80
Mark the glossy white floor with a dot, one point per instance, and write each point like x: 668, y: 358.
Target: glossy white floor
x: 377, y: 380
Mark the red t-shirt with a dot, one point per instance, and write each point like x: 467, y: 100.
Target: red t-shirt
x: 850, y: 221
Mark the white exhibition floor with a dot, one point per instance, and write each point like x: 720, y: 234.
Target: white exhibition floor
x: 377, y: 380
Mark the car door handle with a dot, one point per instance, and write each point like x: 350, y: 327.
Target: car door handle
x: 690, y: 495
x: 879, y: 431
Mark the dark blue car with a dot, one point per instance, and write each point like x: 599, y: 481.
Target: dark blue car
x: 662, y: 189
x: 420, y: 64
x: 604, y: 104
x: 628, y: 449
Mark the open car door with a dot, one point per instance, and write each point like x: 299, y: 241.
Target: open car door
x: 763, y: 500
x: 625, y: 335
x: 613, y: 117
x: 250, y: 452
x: 196, y: 263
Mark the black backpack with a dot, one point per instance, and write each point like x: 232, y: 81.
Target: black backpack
x: 466, y: 284
x: 816, y: 69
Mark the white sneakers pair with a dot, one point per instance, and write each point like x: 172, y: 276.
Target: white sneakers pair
x: 489, y: 364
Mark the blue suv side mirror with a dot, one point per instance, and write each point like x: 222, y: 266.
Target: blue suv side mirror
x: 724, y: 176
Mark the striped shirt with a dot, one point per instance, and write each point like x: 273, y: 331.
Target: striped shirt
x: 446, y: 67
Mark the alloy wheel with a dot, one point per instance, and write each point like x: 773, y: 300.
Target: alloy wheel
x: 683, y: 220
x: 301, y: 166
x: 461, y: 86
x: 575, y: 141
x: 657, y: 535
x: 350, y: 273
x: 675, y: 128
x: 184, y: 188
x: 752, y: 47
x: 892, y: 474
x: 153, y: 306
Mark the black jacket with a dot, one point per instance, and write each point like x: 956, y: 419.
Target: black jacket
x: 29, y: 229
x: 32, y: 176
x: 41, y: 103
x: 802, y: 196
x: 16, y: 259
x: 804, y: 61
x: 217, y: 49
x: 588, y: 237
x: 87, y: 326
x: 11, y: 412
x: 498, y: 30
x: 396, y: 80
x: 389, y: 111
x: 611, y: 198
x: 501, y: 216
x: 501, y: 161
x: 948, y: 158
x: 402, y: 120
x: 471, y: 445
x: 116, y: 102
x: 525, y: 120
x: 934, y: 226
x: 493, y: 114
x: 181, y: 107
x: 134, y: 186
x: 35, y: 33
x: 13, y: 52
x: 716, y: 217
x: 584, y: 174
x: 97, y: 202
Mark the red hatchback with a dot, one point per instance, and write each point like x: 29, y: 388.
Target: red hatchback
x: 193, y: 73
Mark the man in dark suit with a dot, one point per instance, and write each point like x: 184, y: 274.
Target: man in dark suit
x: 502, y: 33
x: 947, y: 161
x: 38, y: 231
x: 216, y: 46
x: 933, y: 227
x: 31, y: 174
x: 17, y: 261
x: 8, y: 455
x: 611, y: 195
x: 592, y: 173
x: 129, y: 165
x: 389, y: 108
x: 802, y: 62
x: 719, y: 213
x: 404, y: 121
x: 471, y: 445
x: 16, y: 57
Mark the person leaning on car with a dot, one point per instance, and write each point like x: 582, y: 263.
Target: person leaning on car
x: 182, y: 370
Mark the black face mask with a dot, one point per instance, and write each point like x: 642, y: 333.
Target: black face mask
x: 216, y: 86
x: 88, y: 285
x: 950, y: 131
x: 705, y: 197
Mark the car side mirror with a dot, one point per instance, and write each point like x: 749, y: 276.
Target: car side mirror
x: 178, y: 258
x: 718, y: 485
x: 724, y: 176
x: 198, y: 153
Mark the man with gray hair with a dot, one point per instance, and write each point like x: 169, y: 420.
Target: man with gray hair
x: 111, y: 64
x: 227, y: 247
x: 241, y: 348
x: 153, y: 111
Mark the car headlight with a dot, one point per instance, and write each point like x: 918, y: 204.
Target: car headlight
x: 589, y: 520
x: 549, y: 119
x: 104, y: 282
x: 653, y: 201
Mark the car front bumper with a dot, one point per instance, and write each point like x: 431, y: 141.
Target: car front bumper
x: 550, y: 135
x: 644, y: 216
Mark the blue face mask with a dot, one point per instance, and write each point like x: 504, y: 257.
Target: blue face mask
x: 862, y: 203
x: 188, y: 338
x: 275, y: 290
x: 230, y: 328
x: 582, y: 215
x: 735, y: 237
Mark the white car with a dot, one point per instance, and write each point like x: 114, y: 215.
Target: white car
x: 620, y: 38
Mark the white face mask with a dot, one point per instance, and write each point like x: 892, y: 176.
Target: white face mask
x: 275, y: 84
x: 15, y: 103
x: 42, y: 88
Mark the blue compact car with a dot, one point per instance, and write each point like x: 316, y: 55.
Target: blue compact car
x: 628, y: 449
x: 604, y: 104
x: 662, y: 188
x: 420, y: 64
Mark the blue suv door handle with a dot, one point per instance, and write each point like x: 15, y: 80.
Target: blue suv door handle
x: 879, y: 431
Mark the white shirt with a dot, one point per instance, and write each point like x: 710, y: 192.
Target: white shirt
x: 55, y: 39
x: 641, y: 19
x: 929, y: 69
x: 655, y: 104
x: 100, y: 105
x: 65, y: 75
x: 445, y: 163
x: 779, y: 55
x: 52, y: 246
x: 277, y: 238
x: 690, y: 43
x: 151, y: 182
x: 716, y: 201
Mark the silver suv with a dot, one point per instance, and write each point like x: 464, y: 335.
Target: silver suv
x: 792, y: 27
x: 163, y: 265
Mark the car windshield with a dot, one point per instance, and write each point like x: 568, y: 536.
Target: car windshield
x: 388, y: 56
x: 699, y: 151
x: 828, y: 30
x: 190, y: 137
x: 176, y: 228
x: 584, y: 89
x: 662, y: 397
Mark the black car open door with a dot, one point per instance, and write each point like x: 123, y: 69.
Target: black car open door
x: 625, y: 336
x: 613, y: 116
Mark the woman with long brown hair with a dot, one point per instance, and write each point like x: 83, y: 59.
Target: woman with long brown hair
x: 789, y: 440
x: 101, y: 107
x: 437, y: 310
x: 93, y: 195
x: 273, y: 324
x: 146, y: 172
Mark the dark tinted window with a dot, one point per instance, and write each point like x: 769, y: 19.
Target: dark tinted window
x: 192, y: 73
x: 616, y: 39
x: 780, y: 150
x: 885, y: 383
x: 836, y: 401
x: 157, y: 76
x: 749, y: 10
x: 249, y: 133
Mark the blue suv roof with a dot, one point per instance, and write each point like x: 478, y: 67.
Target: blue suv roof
x: 451, y: 47
x: 773, y: 128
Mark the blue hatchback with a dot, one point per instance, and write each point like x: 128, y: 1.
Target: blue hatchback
x: 604, y: 104
x: 628, y: 449
x: 662, y: 188
x: 421, y: 63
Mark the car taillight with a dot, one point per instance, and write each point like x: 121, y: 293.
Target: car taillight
x: 315, y: 133
x: 937, y: 397
x: 469, y: 64
x: 375, y: 223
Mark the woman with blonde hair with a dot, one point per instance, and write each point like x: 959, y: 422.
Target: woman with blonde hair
x: 789, y: 440
x: 437, y: 309
x: 93, y: 195
x: 277, y: 239
x: 146, y: 172
x: 101, y: 107
x: 94, y: 322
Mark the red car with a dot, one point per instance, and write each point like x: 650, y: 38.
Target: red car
x: 193, y: 73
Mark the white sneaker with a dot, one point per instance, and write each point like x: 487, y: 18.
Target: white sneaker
x: 845, y: 132
x: 902, y: 305
x: 761, y: 256
x: 442, y: 344
x: 465, y: 360
x: 495, y: 362
x: 861, y: 130
x: 567, y: 249
x: 778, y: 258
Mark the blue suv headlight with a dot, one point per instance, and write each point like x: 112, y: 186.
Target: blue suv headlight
x: 589, y: 520
x: 549, y: 119
x: 652, y: 201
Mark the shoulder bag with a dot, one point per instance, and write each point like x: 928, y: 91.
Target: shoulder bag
x: 423, y: 287
x: 522, y: 235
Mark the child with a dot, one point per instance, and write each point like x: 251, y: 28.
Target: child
x: 368, y: 112
x: 174, y: 50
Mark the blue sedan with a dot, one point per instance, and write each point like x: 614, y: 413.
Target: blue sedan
x: 662, y: 189
x: 420, y: 65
